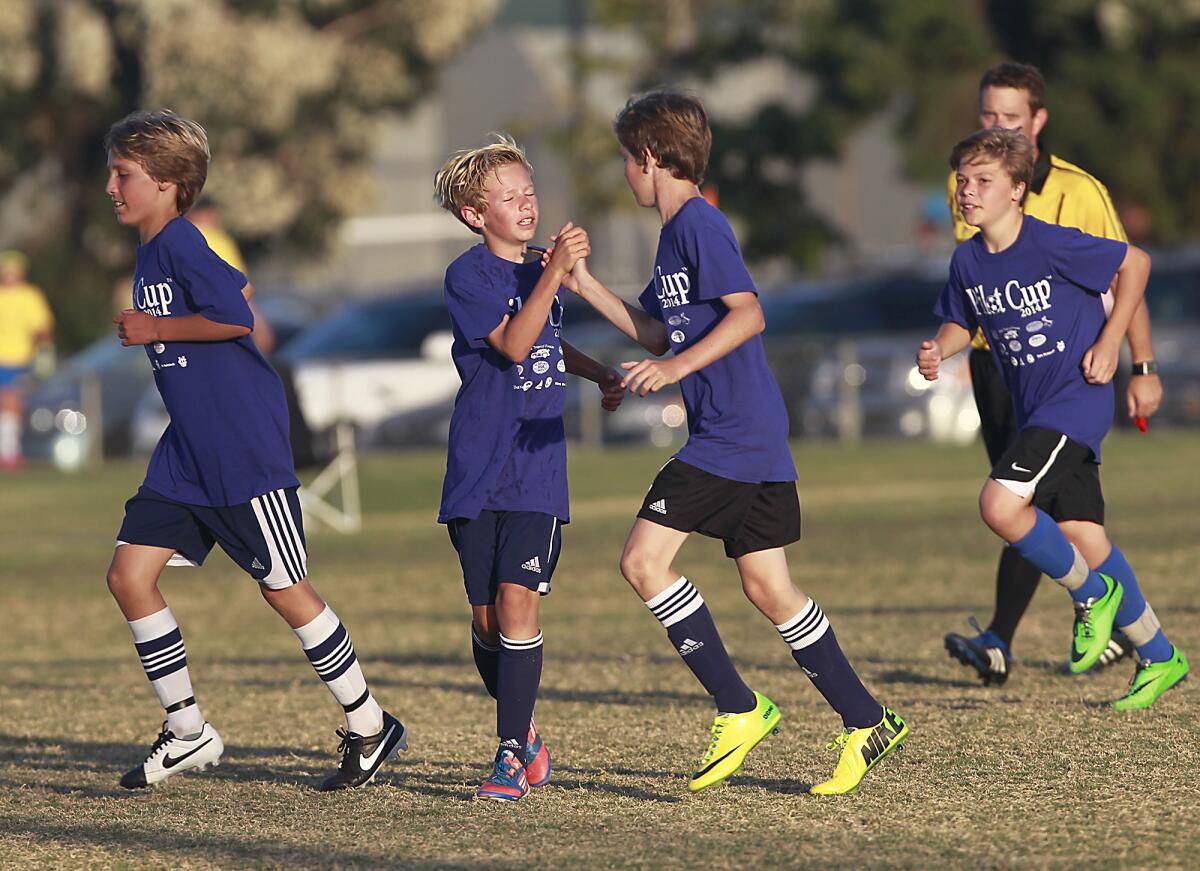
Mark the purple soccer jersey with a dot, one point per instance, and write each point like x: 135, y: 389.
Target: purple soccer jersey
x: 228, y: 437
x: 737, y: 421
x: 1039, y: 304
x: 507, y: 449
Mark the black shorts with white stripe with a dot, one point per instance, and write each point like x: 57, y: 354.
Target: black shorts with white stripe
x: 1060, y: 474
x: 264, y: 536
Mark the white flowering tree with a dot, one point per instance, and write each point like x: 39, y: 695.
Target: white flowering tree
x: 290, y: 91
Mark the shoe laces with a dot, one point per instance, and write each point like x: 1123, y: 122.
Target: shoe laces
x: 975, y: 625
x: 347, y: 741
x: 161, y: 741
x: 1083, y: 614
x: 716, y: 730
x: 840, y: 741
x: 507, y: 767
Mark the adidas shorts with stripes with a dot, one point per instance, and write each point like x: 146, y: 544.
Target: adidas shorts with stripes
x: 746, y: 517
x: 1060, y: 474
x: 512, y: 547
x: 264, y: 536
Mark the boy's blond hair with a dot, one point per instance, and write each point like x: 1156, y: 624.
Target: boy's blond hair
x: 462, y: 181
x: 1009, y: 148
x: 670, y: 125
x: 169, y: 147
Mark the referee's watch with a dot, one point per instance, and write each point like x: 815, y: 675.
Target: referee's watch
x: 1146, y: 367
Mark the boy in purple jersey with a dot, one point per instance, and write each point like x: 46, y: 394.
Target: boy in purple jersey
x: 734, y: 479
x: 504, y: 499
x: 1034, y: 289
x: 222, y: 472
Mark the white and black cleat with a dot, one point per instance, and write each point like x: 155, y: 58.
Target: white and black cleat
x: 363, y: 755
x: 171, y: 755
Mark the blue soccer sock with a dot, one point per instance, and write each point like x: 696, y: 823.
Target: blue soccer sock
x: 487, y: 660
x: 1047, y: 548
x: 518, y: 676
x: 681, y: 610
x: 816, y: 650
x: 160, y: 647
x: 1135, y: 617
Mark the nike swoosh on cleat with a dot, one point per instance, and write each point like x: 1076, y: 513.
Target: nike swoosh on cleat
x: 715, y: 762
x: 171, y: 762
x: 365, y: 762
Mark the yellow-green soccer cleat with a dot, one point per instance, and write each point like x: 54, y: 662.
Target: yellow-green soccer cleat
x: 733, y: 736
x: 861, y: 749
x: 1151, y: 680
x: 1094, y: 625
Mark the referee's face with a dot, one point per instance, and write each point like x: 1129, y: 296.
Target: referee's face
x: 1008, y: 108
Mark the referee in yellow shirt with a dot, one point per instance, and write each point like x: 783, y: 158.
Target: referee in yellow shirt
x: 1011, y: 96
x: 25, y: 323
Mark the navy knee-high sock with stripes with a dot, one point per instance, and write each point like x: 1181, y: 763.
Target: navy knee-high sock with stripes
x: 328, y: 647
x: 487, y: 661
x: 681, y: 610
x: 518, y: 676
x: 816, y: 650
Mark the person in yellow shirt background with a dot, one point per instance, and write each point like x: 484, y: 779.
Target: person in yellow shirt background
x: 207, y: 218
x: 26, y: 324
x: 1012, y: 96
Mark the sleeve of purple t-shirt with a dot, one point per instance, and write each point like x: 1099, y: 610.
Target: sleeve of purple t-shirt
x: 649, y: 302
x: 474, y: 305
x: 951, y: 305
x: 711, y: 248
x: 213, y: 288
x: 1087, y: 261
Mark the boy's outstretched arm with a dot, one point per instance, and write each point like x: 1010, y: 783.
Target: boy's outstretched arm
x: 139, y: 328
x: 743, y: 321
x: 648, y: 332
x: 605, y: 377
x: 515, y: 335
x: 950, y: 339
x: 1100, y: 360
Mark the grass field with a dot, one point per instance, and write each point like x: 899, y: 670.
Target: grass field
x: 1037, y: 773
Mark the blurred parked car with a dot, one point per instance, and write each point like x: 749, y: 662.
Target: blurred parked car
x: 91, y: 396
x: 843, y: 353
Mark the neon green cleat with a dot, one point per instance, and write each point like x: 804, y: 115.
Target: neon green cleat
x: 1151, y: 680
x: 861, y: 749
x: 1093, y: 625
x: 733, y: 736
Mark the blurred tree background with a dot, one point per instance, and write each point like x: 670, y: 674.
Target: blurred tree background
x: 290, y: 91
x: 1123, y: 89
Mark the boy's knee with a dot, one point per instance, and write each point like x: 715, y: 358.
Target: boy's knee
x: 637, y: 567
x: 121, y: 581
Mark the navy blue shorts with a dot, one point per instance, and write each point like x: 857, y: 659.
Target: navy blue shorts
x: 264, y: 536
x: 511, y: 547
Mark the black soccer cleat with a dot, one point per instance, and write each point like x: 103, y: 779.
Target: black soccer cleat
x: 362, y: 756
x: 985, y: 653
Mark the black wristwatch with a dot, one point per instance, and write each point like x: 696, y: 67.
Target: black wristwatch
x: 1146, y: 367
